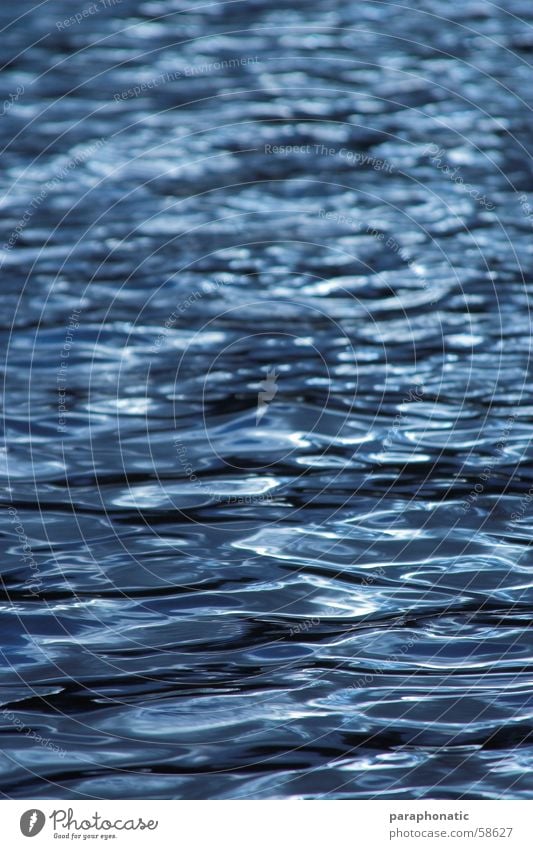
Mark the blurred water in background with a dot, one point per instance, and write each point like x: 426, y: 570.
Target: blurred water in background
x: 267, y: 491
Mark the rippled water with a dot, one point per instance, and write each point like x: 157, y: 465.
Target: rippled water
x: 267, y: 487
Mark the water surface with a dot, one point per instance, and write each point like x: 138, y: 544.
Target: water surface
x: 267, y: 495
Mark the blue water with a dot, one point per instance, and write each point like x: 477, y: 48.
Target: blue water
x: 267, y: 492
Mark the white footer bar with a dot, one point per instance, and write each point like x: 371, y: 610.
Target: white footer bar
x: 266, y: 824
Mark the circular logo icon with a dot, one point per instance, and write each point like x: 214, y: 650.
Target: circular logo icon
x: 32, y: 822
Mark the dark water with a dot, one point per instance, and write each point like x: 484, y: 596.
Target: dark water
x: 323, y: 591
